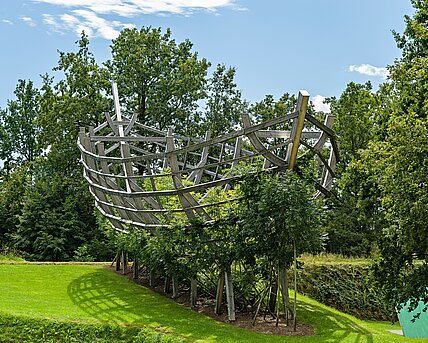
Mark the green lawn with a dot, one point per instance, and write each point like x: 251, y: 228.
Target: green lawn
x: 92, y: 293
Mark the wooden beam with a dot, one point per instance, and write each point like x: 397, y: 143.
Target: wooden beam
x: 298, y: 123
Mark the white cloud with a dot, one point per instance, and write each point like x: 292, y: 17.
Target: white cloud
x: 367, y: 69
x: 131, y: 8
x: 89, y: 15
x: 29, y: 21
x: 52, y: 23
x: 319, y: 105
x: 88, y: 21
x: 6, y: 21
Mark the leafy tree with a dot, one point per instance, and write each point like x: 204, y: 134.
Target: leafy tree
x: 158, y: 78
x: 54, y: 222
x: 18, y: 129
x: 12, y: 190
x: 268, y: 108
x: 279, y: 211
x: 398, y: 160
x: 224, y: 104
x: 57, y: 214
x: 77, y: 100
x: 354, y: 219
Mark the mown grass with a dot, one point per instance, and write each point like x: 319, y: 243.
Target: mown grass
x: 326, y: 258
x: 94, y: 295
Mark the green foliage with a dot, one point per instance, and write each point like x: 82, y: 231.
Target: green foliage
x: 18, y: 129
x: 224, y: 105
x: 268, y: 108
x: 12, y: 191
x: 158, y: 78
x: 345, y: 287
x: 354, y: 220
x: 354, y: 112
x: 21, y: 329
x: 399, y: 163
x: 11, y: 255
x: 278, y: 211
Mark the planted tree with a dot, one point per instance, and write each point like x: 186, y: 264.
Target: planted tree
x: 280, y: 222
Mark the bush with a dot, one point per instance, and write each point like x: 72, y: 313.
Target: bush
x: 346, y: 288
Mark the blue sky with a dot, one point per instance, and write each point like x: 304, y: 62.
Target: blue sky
x: 276, y: 46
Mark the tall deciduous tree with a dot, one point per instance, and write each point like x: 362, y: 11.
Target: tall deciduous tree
x: 353, y: 219
x: 57, y: 214
x: 18, y: 128
x: 224, y: 104
x: 399, y: 162
x: 158, y: 78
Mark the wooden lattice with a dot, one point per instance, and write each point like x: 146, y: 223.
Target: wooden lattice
x: 123, y: 159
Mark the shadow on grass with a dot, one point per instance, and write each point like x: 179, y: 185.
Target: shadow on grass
x: 332, y: 326
x: 109, y: 298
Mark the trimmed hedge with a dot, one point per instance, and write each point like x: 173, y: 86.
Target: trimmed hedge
x: 344, y: 287
x: 21, y: 330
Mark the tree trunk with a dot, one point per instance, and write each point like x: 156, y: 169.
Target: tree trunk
x: 124, y: 262
x: 295, y: 289
x: 167, y: 287
x: 229, y: 295
x: 193, y: 291
x: 135, y: 268
x: 283, y: 280
x: 272, y: 298
x: 118, y: 261
x: 152, y: 279
x: 175, y: 292
x: 219, y: 294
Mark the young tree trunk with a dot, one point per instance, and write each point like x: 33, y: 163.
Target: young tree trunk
x: 175, y: 292
x: 135, y: 268
x: 152, y: 278
x: 167, y: 287
x: 219, y: 293
x: 283, y: 280
x: 118, y: 261
x: 229, y: 295
x: 295, y: 288
x: 124, y: 262
x: 272, y: 298
x: 193, y: 291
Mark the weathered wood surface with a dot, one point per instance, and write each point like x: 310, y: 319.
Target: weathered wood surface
x: 124, y: 159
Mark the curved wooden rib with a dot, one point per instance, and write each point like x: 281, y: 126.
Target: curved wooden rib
x: 127, y: 199
x: 258, y: 145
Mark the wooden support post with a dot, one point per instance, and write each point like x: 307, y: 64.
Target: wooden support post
x: 219, y: 293
x: 175, y: 291
x: 193, y: 291
x: 229, y: 295
x: 118, y: 258
x: 135, y: 268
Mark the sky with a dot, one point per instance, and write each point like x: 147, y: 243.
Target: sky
x: 276, y: 46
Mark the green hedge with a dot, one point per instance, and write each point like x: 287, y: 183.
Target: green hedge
x: 344, y: 287
x: 22, y: 330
